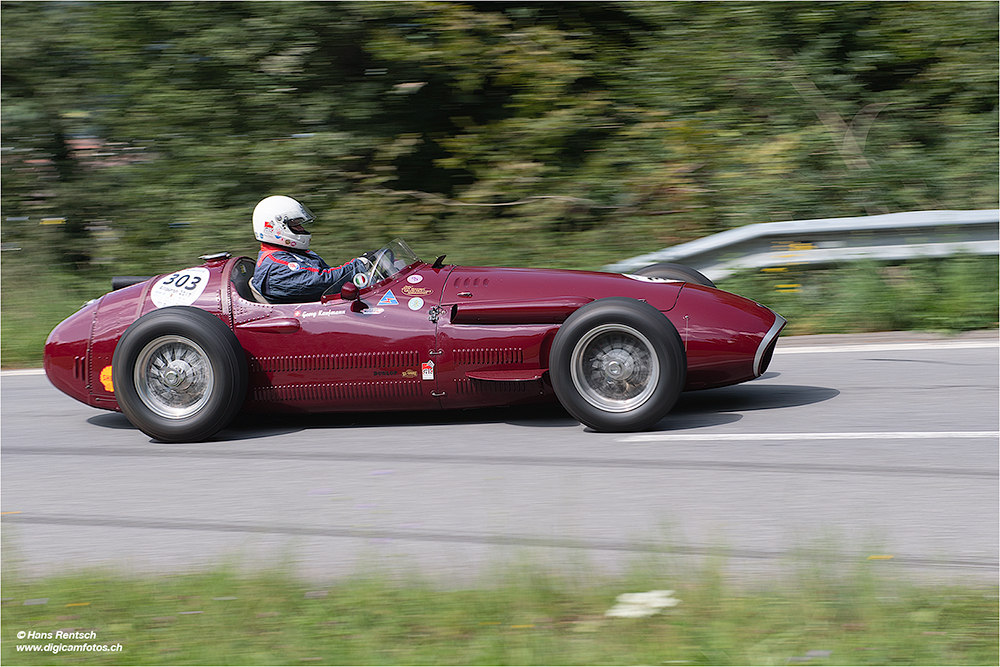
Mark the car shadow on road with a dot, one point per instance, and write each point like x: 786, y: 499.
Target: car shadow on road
x: 255, y: 426
x: 244, y: 428
x: 697, y: 409
x: 750, y: 396
x: 709, y: 407
x: 549, y: 415
x: 113, y: 420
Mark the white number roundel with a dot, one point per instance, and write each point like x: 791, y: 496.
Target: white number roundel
x: 180, y: 289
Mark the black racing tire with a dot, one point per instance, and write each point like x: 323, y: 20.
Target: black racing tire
x: 179, y: 374
x: 673, y: 271
x: 617, y: 364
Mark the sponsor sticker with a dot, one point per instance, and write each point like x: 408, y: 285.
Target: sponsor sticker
x: 106, y: 379
x: 180, y: 289
x: 389, y: 299
x: 416, y: 291
x: 414, y: 279
x: 427, y: 370
x: 416, y: 303
x: 306, y: 314
x: 410, y: 374
x: 372, y: 311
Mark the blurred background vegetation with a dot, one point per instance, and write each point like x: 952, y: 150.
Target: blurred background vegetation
x: 138, y: 136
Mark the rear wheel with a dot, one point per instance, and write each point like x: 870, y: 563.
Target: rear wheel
x: 179, y: 374
x: 617, y: 364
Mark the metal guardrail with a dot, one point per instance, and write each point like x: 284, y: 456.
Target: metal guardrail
x: 894, y: 236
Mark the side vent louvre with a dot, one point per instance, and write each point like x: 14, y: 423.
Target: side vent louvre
x: 467, y: 386
x: 489, y: 357
x: 339, y: 391
x: 335, y: 362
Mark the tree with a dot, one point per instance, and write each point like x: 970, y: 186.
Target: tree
x: 564, y: 134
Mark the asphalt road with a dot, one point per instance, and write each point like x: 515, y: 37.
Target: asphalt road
x: 879, y: 450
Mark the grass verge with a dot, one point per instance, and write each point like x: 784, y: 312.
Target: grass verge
x: 945, y: 295
x: 220, y: 617
x: 32, y: 303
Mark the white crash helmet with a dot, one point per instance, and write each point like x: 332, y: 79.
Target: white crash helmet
x: 274, y: 218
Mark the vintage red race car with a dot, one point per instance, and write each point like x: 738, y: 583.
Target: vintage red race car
x: 182, y: 354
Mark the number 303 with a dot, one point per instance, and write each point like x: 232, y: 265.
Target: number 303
x: 185, y: 280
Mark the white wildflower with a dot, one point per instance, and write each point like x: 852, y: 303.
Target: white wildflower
x: 638, y: 605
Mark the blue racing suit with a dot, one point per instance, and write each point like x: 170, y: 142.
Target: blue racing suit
x: 296, y: 276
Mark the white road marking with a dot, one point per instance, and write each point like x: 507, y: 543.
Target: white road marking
x: 778, y: 437
x: 889, y: 347
x: 23, y: 371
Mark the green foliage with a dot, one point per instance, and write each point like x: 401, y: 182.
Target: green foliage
x: 530, y: 617
x: 563, y: 134
x: 954, y: 294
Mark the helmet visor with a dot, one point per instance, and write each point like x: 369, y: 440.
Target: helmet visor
x: 303, y: 216
x: 297, y: 218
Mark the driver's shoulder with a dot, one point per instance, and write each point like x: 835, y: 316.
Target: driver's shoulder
x: 289, y: 254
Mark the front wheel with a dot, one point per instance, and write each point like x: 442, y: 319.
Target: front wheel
x: 179, y: 374
x: 617, y: 364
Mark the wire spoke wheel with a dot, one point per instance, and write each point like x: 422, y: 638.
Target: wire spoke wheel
x: 614, y: 368
x: 174, y: 377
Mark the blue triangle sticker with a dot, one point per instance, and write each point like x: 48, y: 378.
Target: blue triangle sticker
x: 389, y: 299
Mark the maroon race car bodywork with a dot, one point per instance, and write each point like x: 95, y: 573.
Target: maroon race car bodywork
x: 428, y: 337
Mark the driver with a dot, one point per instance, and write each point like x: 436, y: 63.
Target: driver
x: 287, y: 271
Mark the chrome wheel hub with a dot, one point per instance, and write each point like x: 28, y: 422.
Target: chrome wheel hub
x: 177, y: 375
x: 617, y: 365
